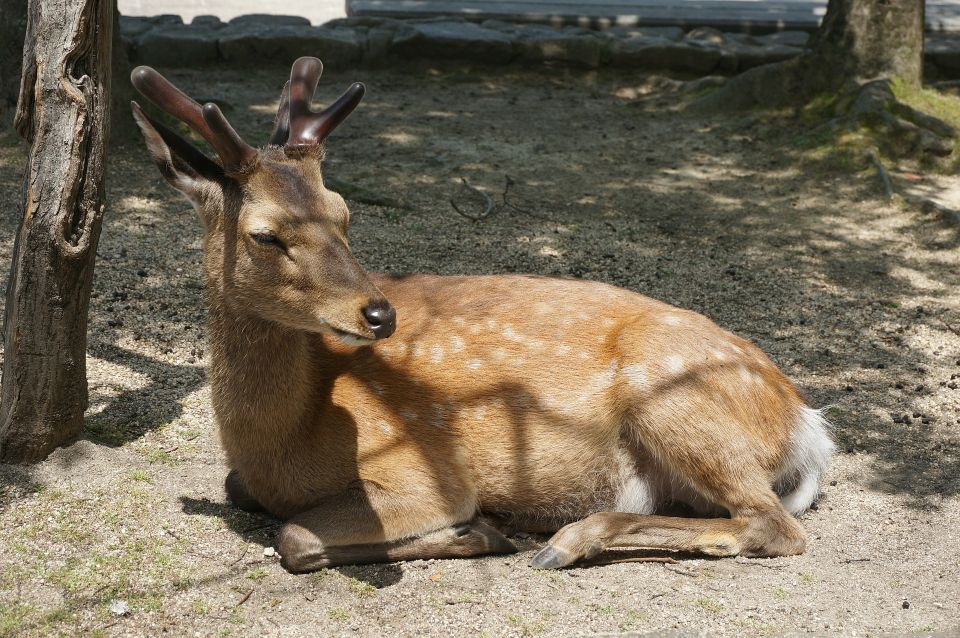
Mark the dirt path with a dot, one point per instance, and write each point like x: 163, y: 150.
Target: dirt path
x: 857, y: 300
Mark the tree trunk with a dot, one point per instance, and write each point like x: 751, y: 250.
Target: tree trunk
x: 858, y: 42
x: 13, y: 26
x: 864, y: 40
x: 63, y: 113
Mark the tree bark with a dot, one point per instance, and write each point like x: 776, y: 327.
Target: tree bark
x: 859, y: 41
x: 63, y: 113
x: 864, y: 40
x: 13, y: 26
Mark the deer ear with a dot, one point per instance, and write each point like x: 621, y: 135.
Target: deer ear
x: 181, y: 164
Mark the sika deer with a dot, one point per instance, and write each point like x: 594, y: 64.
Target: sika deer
x: 547, y: 403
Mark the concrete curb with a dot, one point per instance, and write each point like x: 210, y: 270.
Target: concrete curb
x: 365, y: 41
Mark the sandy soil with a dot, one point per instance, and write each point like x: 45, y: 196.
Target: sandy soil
x: 857, y: 300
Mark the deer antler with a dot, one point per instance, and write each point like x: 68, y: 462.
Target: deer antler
x: 207, y: 120
x: 307, y: 128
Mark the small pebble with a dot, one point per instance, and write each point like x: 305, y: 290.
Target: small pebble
x: 141, y: 273
x: 906, y: 604
x: 269, y: 552
x: 119, y: 607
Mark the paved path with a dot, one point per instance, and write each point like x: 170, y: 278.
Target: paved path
x: 317, y: 11
x: 942, y: 15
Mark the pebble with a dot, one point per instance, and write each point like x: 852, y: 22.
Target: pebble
x: 119, y: 608
x: 269, y: 552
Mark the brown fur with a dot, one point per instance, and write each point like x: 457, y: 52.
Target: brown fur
x: 532, y: 399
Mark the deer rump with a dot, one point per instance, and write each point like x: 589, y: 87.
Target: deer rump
x: 392, y: 418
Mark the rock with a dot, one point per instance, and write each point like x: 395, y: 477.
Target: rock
x: 944, y: 52
x: 797, y: 39
x: 176, y: 45
x: 461, y: 40
x: 265, y: 20
x: 269, y: 552
x: 132, y: 26
x: 668, y: 33
x: 252, y: 44
x: 207, y: 22
x: 737, y: 57
x: 660, y: 53
x: 707, y: 35
x: 550, y: 45
x: 119, y: 608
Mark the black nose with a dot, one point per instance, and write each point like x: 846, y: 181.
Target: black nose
x: 381, y: 317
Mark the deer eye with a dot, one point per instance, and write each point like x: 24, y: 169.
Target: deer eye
x: 266, y: 237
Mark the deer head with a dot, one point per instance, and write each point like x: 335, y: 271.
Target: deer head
x: 275, y: 237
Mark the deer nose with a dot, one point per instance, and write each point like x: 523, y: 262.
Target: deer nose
x: 381, y: 317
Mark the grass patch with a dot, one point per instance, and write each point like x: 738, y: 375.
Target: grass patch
x: 709, y: 604
x: 338, y: 614
x: 256, y: 574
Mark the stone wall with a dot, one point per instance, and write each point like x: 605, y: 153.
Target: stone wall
x: 165, y: 41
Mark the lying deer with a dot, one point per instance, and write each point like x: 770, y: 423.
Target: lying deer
x: 543, y: 404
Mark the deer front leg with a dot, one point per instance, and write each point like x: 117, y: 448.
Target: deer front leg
x: 355, y: 528
x: 238, y: 495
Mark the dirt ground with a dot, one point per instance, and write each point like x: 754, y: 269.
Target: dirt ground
x: 856, y: 299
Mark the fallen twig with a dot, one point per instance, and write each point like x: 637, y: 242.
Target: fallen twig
x: 949, y: 327
x: 245, y: 598
x: 487, y: 209
x: 856, y: 560
x: 171, y: 532
x: 681, y: 571
x: 246, y: 548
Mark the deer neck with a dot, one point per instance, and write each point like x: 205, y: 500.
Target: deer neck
x: 260, y: 376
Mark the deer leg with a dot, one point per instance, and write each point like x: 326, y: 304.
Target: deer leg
x: 238, y: 495
x: 373, y: 527
x: 771, y: 533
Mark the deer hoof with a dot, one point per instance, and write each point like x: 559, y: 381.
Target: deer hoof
x: 553, y: 557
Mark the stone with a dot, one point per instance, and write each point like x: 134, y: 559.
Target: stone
x: 266, y: 20
x: 738, y: 57
x: 585, y: 50
x: 944, y: 52
x: 797, y: 39
x: 668, y: 33
x: 175, y: 45
x: 207, y: 22
x: 252, y: 44
x: 707, y: 35
x: 132, y: 26
x: 662, y: 54
x: 461, y: 40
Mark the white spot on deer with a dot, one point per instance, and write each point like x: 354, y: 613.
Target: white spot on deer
x: 536, y: 344
x: 511, y: 334
x: 384, y: 427
x: 674, y: 364
x: 416, y: 349
x: 491, y: 324
x: 409, y: 415
x: 377, y: 388
x: 519, y: 361
x: 584, y: 355
x: 745, y: 374
x: 672, y: 320
x: 439, y: 417
x: 479, y: 412
x: 459, y: 321
x: 719, y: 355
x: 436, y: 354
x: 456, y: 344
x: 606, y: 323
x: 473, y: 329
x: 562, y: 350
x: 400, y: 347
x: 636, y: 376
x: 474, y: 364
x: 499, y: 354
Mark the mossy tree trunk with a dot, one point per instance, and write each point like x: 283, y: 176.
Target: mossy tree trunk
x: 863, y: 50
x: 63, y: 113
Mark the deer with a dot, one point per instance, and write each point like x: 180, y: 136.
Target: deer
x: 399, y: 417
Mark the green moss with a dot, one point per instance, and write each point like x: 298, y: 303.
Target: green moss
x: 710, y: 604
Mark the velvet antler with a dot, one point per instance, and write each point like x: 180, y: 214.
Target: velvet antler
x: 305, y: 128
x: 207, y: 120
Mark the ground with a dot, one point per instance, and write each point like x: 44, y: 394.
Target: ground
x: 127, y: 532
